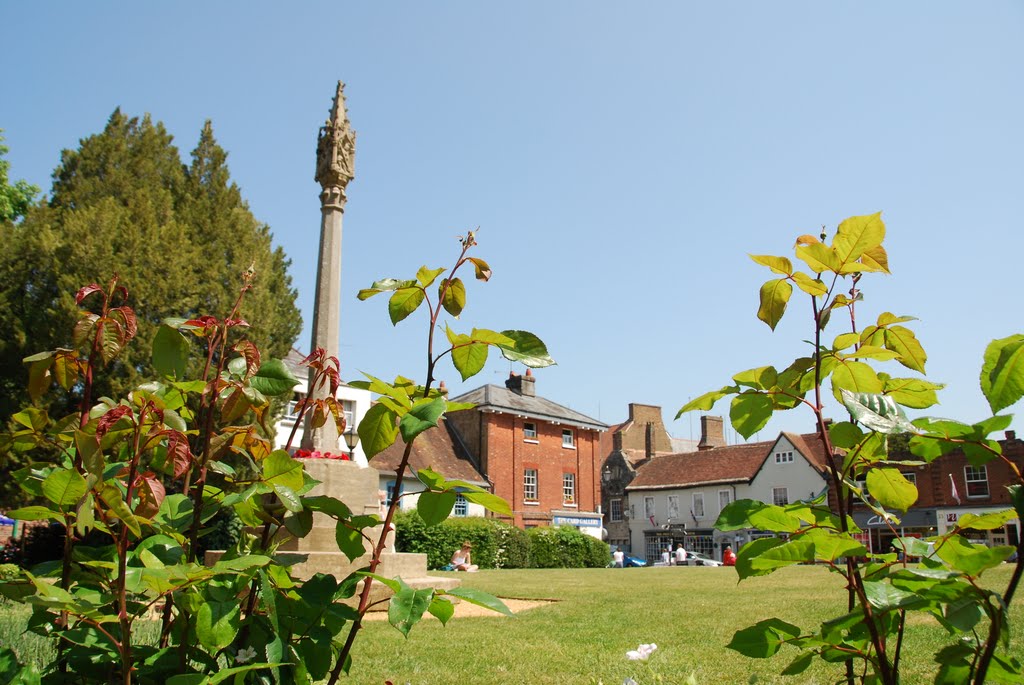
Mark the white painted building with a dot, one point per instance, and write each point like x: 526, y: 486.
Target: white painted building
x: 676, y: 499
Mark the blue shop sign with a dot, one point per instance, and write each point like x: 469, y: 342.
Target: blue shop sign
x: 578, y: 521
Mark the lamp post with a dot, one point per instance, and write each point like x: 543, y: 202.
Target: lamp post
x: 351, y: 439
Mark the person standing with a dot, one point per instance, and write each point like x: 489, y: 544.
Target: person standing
x: 728, y: 556
x: 666, y: 557
x: 680, y: 555
x: 618, y: 557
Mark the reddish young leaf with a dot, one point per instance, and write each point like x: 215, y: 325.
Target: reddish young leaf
x: 252, y: 356
x: 235, y: 405
x: 178, y: 452
x: 151, y: 493
x: 319, y: 417
x: 203, y: 327
x: 126, y: 316
x: 86, y: 291
x: 108, y: 420
x: 236, y: 323
x: 112, y: 338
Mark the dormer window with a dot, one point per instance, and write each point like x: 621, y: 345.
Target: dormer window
x: 784, y: 457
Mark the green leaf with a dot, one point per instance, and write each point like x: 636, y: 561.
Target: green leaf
x: 856, y: 377
x: 170, y: 352
x: 774, y: 297
x: 991, y: 521
x: 377, y: 430
x: 217, y: 624
x: 902, y: 341
x: 469, y: 357
x: 1002, y: 373
x: 403, y: 303
x: 820, y: 258
x: 35, y: 513
x: 454, y: 296
x: 830, y: 545
x: 750, y: 552
x: 274, y: 379
x: 883, y: 596
x: 812, y: 286
x: 779, y: 265
x: 489, y: 501
x: 795, y: 551
x: 529, y: 350
x: 858, y: 235
x: 968, y: 558
x: 435, y: 507
x: 441, y: 609
x: 775, y: 519
x: 799, y: 665
x: 912, y: 392
x: 762, y: 378
x: 480, y: 598
x: 117, y: 507
x: 424, y: 415
x: 845, y: 435
x: 350, y: 540
x: 280, y: 469
x: 877, y: 412
x: 64, y: 487
x: 407, y: 607
x: 763, y: 639
x: 750, y: 412
x: 483, y: 271
x: 891, y: 488
x: 736, y: 515
x: 706, y: 401
x: 426, y: 276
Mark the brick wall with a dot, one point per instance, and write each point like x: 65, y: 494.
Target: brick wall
x: 509, y: 454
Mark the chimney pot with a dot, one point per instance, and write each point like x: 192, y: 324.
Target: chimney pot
x: 1011, y: 435
x: 712, y: 433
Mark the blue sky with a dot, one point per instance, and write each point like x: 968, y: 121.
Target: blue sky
x: 621, y: 161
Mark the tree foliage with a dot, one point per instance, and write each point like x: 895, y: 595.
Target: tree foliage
x: 17, y: 198
x: 179, y: 237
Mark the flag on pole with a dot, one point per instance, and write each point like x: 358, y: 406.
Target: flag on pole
x: 956, y: 495
x: 652, y: 522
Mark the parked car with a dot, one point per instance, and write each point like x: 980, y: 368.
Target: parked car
x: 633, y: 562
x: 698, y: 559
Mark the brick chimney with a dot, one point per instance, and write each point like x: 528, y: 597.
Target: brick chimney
x: 521, y: 385
x: 711, y: 433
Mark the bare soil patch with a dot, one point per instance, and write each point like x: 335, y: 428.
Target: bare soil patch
x: 467, y: 610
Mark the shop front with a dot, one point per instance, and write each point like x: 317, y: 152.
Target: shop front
x: 1007, y: 535
x: 878, y: 535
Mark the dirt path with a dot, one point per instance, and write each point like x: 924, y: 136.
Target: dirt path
x: 467, y: 610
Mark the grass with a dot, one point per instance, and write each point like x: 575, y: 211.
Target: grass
x: 691, y: 613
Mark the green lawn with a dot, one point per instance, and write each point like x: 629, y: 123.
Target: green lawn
x: 691, y: 613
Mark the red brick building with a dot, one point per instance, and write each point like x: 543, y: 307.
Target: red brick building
x: 542, y: 458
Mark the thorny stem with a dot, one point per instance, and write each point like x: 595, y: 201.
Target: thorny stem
x: 856, y: 584
x: 364, y: 596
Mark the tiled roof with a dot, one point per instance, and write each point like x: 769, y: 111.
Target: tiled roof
x: 437, y: 449
x: 499, y: 399
x: 730, y: 464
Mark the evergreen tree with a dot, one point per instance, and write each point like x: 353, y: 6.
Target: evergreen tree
x: 14, y: 199
x: 179, y: 238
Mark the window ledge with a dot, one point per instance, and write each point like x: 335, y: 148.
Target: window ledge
x: 569, y: 504
x: 568, y: 447
x: 531, y: 503
x: 532, y: 441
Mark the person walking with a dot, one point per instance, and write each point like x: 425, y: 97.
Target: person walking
x: 618, y: 558
x: 728, y: 556
x: 680, y: 555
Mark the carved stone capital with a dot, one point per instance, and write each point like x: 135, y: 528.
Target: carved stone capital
x: 336, y: 146
x: 333, y: 197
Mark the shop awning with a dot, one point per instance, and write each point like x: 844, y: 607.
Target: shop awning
x: 915, y: 518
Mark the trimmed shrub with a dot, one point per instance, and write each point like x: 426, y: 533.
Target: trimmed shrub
x: 495, y: 544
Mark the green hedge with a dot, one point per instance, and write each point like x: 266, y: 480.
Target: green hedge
x: 499, y: 545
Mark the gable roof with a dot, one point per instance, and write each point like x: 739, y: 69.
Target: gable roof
x: 494, y: 398
x: 721, y: 465
x: 438, y: 449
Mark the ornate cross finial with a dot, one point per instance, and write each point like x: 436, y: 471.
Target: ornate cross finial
x: 336, y: 147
